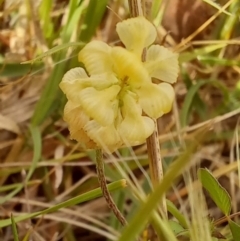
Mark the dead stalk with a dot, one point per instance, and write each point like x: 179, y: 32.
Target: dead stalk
x: 103, y: 185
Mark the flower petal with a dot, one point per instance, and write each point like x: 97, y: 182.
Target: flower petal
x: 74, y: 74
x: 74, y: 115
x: 76, y: 79
x: 162, y: 64
x: 71, y: 83
x: 76, y: 119
x: 134, y: 129
x: 129, y: 68
x: 100, y: 82
x: 156, y: 100
x: 96, y: 56
x: 106, y: 137
x: 136, y: 34
x: 100, y: 105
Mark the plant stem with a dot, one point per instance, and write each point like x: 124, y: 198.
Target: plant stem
x: 135, y: 8
x: 103, y: 185
x: 155, y: 164
x: 138, y: 8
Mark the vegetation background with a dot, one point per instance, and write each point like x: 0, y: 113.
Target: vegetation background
x: 41, y: 167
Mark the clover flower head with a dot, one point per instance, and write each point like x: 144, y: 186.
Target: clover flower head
x: 114, y: 103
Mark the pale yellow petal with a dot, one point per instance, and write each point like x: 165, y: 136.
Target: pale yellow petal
x: 156, y: 100
x: 71, y: 82
x: 76, y: 119
x: 74, y: 115
x: 134, y: 129
x: 82, y: 137
x: 76, y: 79
x: 162, y: 64
x: 130, y: 105
x: 129, y: 68
x: 96, y: 56
x: 136, y: 34
x: 100, y: 105
x: 100, y: 82
x: 74, y: 74
x: 106, y: 137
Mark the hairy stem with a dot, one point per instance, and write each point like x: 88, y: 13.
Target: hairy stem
x: 103, y: 185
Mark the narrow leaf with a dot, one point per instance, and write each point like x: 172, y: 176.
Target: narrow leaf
x: 235, y: 229
x: 14, y: 229
x: 177, y: 214
x: 52, y: 51
x: 218, y: 194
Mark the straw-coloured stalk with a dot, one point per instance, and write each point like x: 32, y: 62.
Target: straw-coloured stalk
x: 138, y: 8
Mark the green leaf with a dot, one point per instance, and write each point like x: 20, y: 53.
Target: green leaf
x: 235, y: 229
x: 14, y: 229
x: 218, y: 194
x: 71, y: 202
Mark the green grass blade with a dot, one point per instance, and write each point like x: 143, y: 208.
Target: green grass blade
x: 218, y: 194
x: 217, y: 6
x: 191, y: 55
x: 230, y: 22
x: 96, y: 9
x: 14, y: 229
x: 71, y: 202
x: 52, y: 51
x: 35, y: 132
x: 16, y: 185
x: 27, y: 235
x: 49, y: 94
x: 145, y: 211
x: 18, y: 70
x: 156, y: 4
x: 176, y: 213
x: 51, y: 91
x: 184, y: 113
x: 218, y: 61
x: 75, y: 13
x: 45, y: 15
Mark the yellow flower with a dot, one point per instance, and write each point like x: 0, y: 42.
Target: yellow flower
x: 114, y: 102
